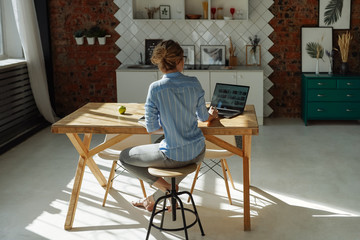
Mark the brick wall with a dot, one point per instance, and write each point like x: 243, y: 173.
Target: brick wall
x: 87, y: 73
x: 290, y: 16
x: 82, y: 73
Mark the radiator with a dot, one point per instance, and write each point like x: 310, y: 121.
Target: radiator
x: 19, y: 116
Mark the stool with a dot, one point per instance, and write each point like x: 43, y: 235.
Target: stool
x: 174, y: 196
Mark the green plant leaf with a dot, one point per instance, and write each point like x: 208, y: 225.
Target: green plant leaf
x: 333, y: 11
x: 311, y: 49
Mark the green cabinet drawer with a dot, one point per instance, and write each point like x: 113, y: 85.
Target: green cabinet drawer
x: 333, y: 110
x: 321, y: 83
x: 349, y: 83
x: 333, y: 95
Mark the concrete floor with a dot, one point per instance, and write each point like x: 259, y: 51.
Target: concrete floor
x: 305, y: 185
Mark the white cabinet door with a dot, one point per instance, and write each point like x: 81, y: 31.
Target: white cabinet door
x: 221, y: 77
x: 203, y: 77
x: 133, y: 86
x: 256, y: 94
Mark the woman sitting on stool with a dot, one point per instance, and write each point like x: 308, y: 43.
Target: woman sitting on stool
x: 174, y: 103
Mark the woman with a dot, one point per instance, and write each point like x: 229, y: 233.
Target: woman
x: 174, y: 103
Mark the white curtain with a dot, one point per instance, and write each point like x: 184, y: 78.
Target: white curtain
x: 26, y: 21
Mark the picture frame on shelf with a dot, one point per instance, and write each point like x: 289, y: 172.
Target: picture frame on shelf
x: 334, y: 15
x: 150, y: 44
x: 311, y: 38
x: 212, y: 55
x: 165, y: 12
x: 253, y: 55
x: 189, y: 54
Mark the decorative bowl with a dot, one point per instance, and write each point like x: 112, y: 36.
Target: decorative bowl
x: 193, y: 16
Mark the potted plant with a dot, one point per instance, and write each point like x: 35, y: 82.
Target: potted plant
x: 79, y: 36
x: 101, y: 36
x: 91, y: 34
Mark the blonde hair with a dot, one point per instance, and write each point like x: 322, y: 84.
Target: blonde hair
x: 167, y: 55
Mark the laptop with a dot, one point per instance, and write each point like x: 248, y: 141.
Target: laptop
x: 229, y: 99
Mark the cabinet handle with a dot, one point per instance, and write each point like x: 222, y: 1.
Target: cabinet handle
x: 349, y: 110
x: 320, y: 83
x: 319, y: 110
x: 349, y: 95
x: 349, y: 83
x: 321, y: 95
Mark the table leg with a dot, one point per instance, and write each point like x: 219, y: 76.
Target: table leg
x: 96, y: 171
x: 77, y: 185
x: 246, y: 176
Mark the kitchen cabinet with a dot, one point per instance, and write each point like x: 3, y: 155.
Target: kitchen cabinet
x: 193, y: 10
x: 132, y: 85
x: 327, y: 97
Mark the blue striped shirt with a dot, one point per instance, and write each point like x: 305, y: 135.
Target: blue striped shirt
x: 176, y: 103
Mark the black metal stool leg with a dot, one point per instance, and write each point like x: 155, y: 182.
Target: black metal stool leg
x: 163, y: 214
x: 153, y: 214
x: 183, y: 217
x: 173, y: 199
x: 196, y: 214
x: 174, y: 196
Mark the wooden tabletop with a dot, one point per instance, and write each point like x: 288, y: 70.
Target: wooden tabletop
x: 104, y: 118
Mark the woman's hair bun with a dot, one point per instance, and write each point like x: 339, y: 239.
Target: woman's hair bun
x: 167, y: 54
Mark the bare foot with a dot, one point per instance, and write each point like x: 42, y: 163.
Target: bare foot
x: 147, y: 203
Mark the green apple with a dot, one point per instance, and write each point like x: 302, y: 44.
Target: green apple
x: 122, y: 109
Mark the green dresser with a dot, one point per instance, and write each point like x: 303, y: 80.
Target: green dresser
x: 330, y: 97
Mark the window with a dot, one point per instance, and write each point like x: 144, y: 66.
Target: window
x: 1, y: 35
x: 10, y: 44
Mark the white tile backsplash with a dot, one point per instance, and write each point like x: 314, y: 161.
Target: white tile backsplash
x: 197, y: 32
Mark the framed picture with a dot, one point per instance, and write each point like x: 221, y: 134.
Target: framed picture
x: 150, y: 44
x: 164, y: 11
x: 212, y: 54
x: 336, y: 14
x: 189, y: 54
x: 253, y: 55
x: 315, y: 41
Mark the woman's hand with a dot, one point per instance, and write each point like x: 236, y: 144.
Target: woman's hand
x: 213, y: 114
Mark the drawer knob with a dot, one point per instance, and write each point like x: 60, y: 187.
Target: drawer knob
x: 321, y: 95
x: 349, y: 95
x: 349, y: 110
x: 319, y: 110
x: 349, y: 83
x: 320, y: 83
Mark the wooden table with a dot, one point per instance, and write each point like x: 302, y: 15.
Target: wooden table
x: 104, y: 118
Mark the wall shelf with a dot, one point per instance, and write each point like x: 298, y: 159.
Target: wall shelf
x: 180, y: 10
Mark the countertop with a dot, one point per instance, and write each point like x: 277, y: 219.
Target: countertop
x: 125, y: 68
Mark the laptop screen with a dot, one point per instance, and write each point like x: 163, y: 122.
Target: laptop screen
x: 230, y: 96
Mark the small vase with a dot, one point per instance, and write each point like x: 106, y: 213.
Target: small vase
x: 330, y: 67
x: 317, y: 67
x: 253, y: 58
x: 344, y: 68
x: 205, y: 9
x: 232, y: 61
